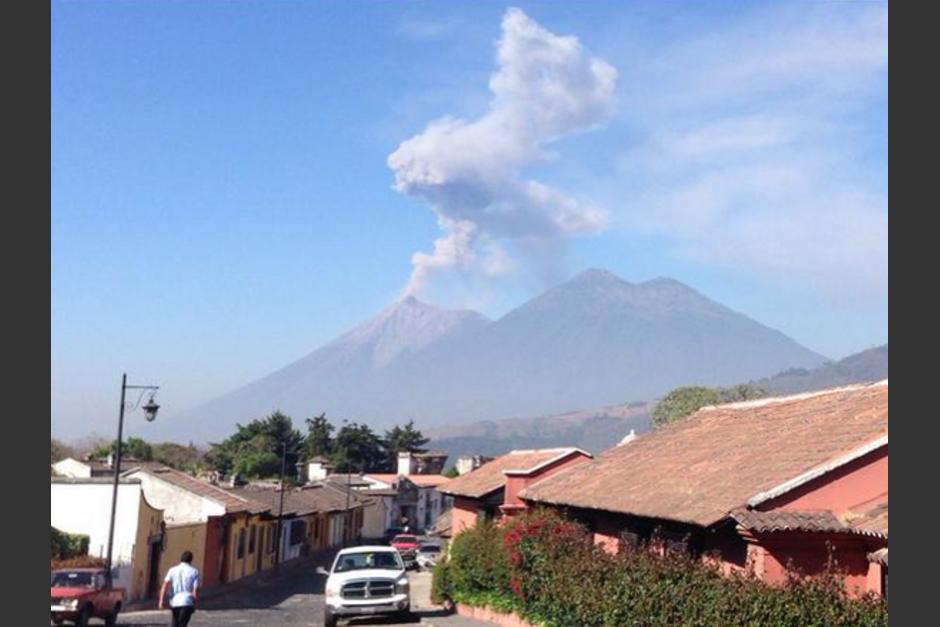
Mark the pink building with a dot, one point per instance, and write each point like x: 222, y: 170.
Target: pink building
x: 492, y: 490
x: 763, y: 485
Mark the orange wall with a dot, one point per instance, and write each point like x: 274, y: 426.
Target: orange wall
x: 465, y: 514
x: 811, y: 558
x: 516, y: 483
x: 856, y: 484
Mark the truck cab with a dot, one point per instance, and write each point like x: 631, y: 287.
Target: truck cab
x: 80, y: 594
x: 366, y: 581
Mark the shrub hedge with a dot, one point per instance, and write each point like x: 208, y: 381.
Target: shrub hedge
x: 545, y: 568
x: 66, y: 545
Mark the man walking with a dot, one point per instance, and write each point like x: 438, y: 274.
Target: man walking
x: 184, y: 580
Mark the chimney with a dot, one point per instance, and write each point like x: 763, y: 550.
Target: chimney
x: 405, y: 463
x: 469, y: 463
x: 317, y: 470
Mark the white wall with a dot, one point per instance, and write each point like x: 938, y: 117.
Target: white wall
x: 179, y: 506
x: 69, y: 467
x: 86, y: 508
x: 336, y: 528
x: 375, y: 518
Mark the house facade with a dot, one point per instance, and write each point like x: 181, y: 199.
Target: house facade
x: 761, y: 485
x: 492, y: 490
x: 83, y: 505
x: 233, y: 531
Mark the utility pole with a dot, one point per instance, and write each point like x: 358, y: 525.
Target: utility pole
x: 280, y: 510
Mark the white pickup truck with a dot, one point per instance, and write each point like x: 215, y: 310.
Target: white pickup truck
x: 364, y: 581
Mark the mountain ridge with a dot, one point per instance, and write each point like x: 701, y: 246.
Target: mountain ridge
x: 599, y: 428
x: 592, y: 340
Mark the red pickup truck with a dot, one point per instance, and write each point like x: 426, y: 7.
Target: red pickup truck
x: 80, y: 594
x: 407, y: 546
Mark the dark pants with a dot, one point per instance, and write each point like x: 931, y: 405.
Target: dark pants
x: 181, y: 615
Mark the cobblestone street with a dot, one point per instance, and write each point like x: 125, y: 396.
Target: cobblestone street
x: 294, y: 598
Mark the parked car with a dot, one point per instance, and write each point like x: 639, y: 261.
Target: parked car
x: 429, y: 553
x: 407, y: 545
x: 365, y: 581
x: 80, y: 594
x: 392, y: 532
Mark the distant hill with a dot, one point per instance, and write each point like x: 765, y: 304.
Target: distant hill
x: 592, y: 430
x: 595, y: 430
x: 868, y: 365
x: 591, y: 341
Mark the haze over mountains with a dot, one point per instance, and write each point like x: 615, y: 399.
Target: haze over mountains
x: 599, y: 428
x: 593, y: 340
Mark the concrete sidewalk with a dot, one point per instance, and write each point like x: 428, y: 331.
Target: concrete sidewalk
x: 433, y: 615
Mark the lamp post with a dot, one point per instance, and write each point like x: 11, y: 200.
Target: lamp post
x: 150, y: 413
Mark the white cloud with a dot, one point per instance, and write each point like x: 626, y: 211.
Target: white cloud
x: 754, y: 149
x: 545, y: 87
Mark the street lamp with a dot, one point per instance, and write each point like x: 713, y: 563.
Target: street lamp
x: 150, y: 414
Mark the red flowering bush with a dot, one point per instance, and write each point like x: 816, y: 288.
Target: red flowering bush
x: 545, y: 568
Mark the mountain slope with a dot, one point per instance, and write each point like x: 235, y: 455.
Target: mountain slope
x: 868, y: 365
x: 593, y: 340
x: 600, y: 428
x: 338, y: 376
x: 596, y: 340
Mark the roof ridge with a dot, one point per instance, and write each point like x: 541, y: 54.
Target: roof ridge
x: 529, y: 451
x: 771, y: 400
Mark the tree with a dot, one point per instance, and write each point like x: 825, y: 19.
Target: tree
x: 136, y: 448
x: 255, y: 450
x: 742, y: 392
x: 60, y: 451
x: 319, y: 437
x: 401, y: 440
x: 357, y: 448
x: 685, y: 400
x: 451, y: 472
x: 186, y: 458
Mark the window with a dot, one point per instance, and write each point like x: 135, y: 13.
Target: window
x: 252, y: 538
x: 298, y: 532
x: 360, y: 561
x: 240, y: 549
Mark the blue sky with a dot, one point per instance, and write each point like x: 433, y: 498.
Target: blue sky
x: 234, y: 183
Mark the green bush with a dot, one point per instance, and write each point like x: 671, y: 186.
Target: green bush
x: 441, y: 585
x: 66, y: 545
x: 546, y: 569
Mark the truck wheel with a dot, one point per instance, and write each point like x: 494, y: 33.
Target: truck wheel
x: 329, y: 619
x: 111, y: 619
x: 84, y: 617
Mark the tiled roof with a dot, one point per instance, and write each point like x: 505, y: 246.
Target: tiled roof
x: 697, y: 470
x: 380, y: 492
x: 231, y: 501
x: 352, y: 479
x: 442, y: 526
x: 880, y: 556
x: 385, y: 477
x: 425, y: 481
x: 267, y: 499
x: 491, y: 475
x: 873, y: 520
x: 332, y: 497
x: 318, y: 497
x: 788, y: 520
x: 869, y: 524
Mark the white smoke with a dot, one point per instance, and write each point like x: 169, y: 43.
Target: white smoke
x: 545, y: 87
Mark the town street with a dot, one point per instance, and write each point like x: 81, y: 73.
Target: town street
x: 294, y: 598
